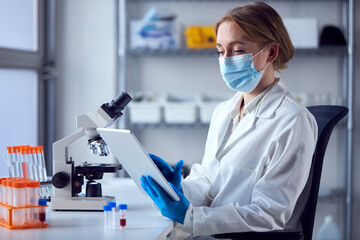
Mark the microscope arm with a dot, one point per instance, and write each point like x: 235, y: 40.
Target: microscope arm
x: 59, y: 147
x: 60, y: 162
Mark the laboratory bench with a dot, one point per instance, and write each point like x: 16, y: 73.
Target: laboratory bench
x: 144, y: 221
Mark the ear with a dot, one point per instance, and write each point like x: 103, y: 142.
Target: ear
x: 273, y: 51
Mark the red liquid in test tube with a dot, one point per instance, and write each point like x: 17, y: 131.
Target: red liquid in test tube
x: 122, y: 210
x: 122, y: 222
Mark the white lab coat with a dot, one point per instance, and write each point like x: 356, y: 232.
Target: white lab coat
x: 257, y: 182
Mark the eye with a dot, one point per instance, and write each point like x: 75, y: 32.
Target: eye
x: 238, y: 52
x: 220, y: 53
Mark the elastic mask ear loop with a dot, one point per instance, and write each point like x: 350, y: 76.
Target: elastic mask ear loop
x: 265, y: 66
x: 257, y: 54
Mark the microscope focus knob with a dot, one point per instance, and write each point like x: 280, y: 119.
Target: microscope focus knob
x: 60, y: 180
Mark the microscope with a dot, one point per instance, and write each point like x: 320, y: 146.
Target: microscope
x: 68, y: 178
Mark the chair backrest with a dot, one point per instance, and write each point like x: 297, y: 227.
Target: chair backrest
x: 326, y: 117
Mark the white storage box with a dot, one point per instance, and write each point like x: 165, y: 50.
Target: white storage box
x: 145, y: 112
x: 207, y: 106
x: 206, y: 110
x: 180, y: 109
x: 303, y: 32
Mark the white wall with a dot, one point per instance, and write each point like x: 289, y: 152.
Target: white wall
x: 86, y: 64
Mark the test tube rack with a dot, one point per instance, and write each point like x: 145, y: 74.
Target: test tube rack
x: 9, y: 224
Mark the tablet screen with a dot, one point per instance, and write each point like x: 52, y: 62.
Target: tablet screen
x: 133, y: 157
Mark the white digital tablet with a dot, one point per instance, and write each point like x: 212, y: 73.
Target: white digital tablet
x: 133, y: 157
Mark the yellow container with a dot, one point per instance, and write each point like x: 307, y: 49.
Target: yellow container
x: 198, y: 37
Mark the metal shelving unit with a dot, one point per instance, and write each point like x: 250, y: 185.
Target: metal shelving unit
x: 322, y: 51
x: 126, y: 56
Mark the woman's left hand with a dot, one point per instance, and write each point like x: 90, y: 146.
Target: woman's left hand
x: 174, y: 210
x: 173, y: 176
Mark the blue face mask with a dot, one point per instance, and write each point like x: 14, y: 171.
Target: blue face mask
x: 239, y: 72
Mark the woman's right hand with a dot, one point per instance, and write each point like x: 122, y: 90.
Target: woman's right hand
x: 172, y: 175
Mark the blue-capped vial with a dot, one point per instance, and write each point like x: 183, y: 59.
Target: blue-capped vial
x: 107, y: 217
x: 122, y: 211
x: 42, y: 211
x: 113, y: 213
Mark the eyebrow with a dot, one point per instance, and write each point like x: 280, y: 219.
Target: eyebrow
x: 232, y: 43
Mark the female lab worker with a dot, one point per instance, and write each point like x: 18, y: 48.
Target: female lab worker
x: 260, y: 142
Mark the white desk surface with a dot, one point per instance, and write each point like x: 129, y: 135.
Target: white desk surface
x: 143, y: 220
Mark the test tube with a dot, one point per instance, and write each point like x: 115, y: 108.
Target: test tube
x: 10, y: 161
x: 19, y: 200
x: 38, y: 165
x: 42, y: 211
x: 31, y: 166
x: 4, y: 191
x: 4, y: 194
x: 32, y: 198
x: 107, y: 215
x: 9, y: 192
x: 1, y: 199
x: 43, y: 162
x: 17, y: 159
x: 34, y: 164
x: 122, y: 210
x: 113, y: 212
x: 24, y: 163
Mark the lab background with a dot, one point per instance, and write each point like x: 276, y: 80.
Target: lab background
x: 88, y: 69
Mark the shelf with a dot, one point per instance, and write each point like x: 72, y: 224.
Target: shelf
x: 164, y: 125
x: 322, y: 51
x: 173, y: 52
x: 332, y: 195
x: 144, y: 1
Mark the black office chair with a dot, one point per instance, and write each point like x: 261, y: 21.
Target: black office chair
x: 326, y: 117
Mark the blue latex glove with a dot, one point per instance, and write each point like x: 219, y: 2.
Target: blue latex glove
x: 174, y: 210
x: 172, y: 175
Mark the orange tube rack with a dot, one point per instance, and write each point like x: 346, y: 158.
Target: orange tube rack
x: 9, y: 224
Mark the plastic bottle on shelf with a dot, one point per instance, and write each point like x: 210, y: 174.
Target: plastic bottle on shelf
x: 328, y: 230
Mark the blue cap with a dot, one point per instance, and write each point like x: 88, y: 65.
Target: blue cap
x: 112, y: 204
x: 122, y: 206
x: 42, y: 202
x: 106, y: 208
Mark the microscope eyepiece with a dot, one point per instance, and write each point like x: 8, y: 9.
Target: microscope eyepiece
x: 115, y: 107
x: 121, y: 100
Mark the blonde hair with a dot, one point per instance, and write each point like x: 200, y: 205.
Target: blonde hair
x: 262, y: 24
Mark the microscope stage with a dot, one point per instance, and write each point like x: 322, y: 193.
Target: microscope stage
x: 81, y: 203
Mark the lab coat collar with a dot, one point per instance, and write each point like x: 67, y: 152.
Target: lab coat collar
x: 267, y: 104
x: 266, y: 107
x: 271, y: 101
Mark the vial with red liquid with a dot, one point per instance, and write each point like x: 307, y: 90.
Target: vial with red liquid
x: 122, y: 211
x: 42, y: 211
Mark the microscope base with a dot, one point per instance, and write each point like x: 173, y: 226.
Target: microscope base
x: 80, y: 203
